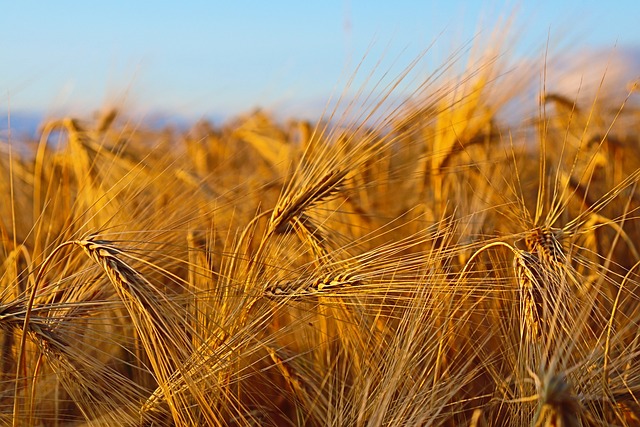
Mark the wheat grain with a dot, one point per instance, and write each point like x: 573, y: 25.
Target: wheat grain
x: 312, y: 285
x: 531, y: 282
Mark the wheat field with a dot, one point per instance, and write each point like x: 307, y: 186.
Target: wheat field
x: 417, y: 263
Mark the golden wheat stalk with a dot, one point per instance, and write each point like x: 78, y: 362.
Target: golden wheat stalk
x: 545, y: 243
x: 544, y: 276
x: 158, y: 320
x: 96, y: 388
x: 528, y: 271
x: 156, y: 307
x: 310, y: 233
x: 312, y: 285
x: 306, y: 389
x: 293, y: 204
x: 203, y: 381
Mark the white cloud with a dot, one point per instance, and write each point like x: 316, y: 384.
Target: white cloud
x: 605, y: 73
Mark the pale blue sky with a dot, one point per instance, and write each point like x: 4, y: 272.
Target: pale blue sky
x: 208, y: 58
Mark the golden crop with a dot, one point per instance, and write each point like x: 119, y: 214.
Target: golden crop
x: 426, y: 263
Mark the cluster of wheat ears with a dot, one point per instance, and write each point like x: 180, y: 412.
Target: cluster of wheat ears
x: 421, y: 262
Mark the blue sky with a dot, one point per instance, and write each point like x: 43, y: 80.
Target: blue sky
x: 208, y: 58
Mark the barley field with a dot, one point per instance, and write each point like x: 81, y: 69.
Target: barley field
x: 412, y: 258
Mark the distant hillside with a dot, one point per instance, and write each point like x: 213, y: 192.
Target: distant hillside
x: 23, y: 125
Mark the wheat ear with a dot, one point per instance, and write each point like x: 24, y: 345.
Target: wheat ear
x: 157, y: 319
x: 308, y: 285
x: 558, y: 405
